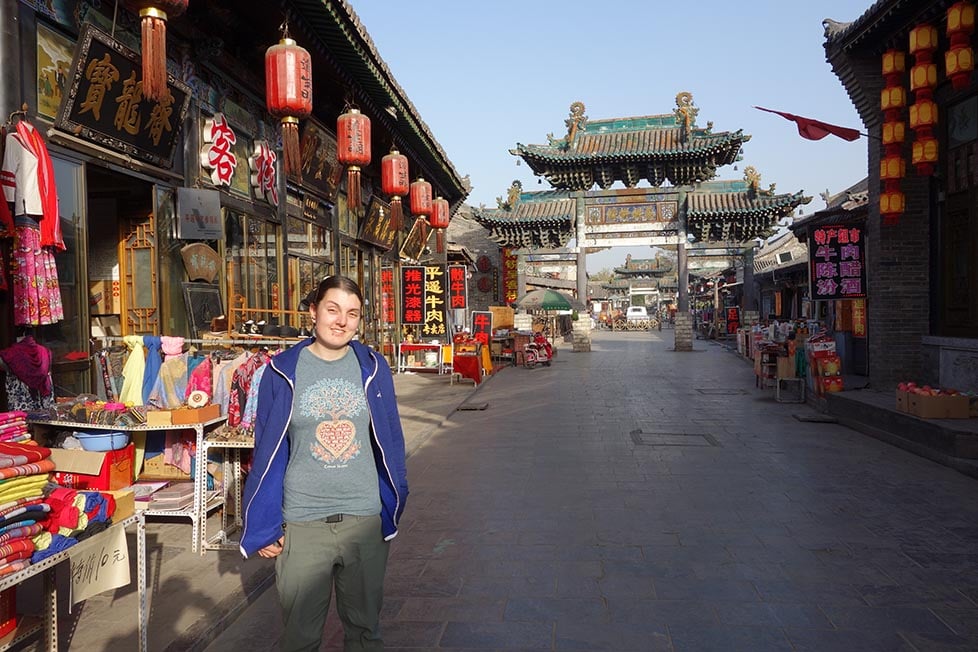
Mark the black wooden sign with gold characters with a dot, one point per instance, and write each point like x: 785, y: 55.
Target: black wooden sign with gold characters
x: 104, y: 102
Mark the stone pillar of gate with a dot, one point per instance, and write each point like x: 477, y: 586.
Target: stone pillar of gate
x: 684, y: 321
x: 582, y: 328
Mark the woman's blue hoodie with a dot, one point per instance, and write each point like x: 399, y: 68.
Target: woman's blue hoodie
x: 263, y: 489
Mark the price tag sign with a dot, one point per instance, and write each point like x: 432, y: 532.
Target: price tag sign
x: 99, y: 564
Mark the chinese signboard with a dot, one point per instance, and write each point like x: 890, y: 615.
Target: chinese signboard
x: 375, y: 227
x: 216, y: 152
x: 732, y: 315
x: 457, y: 295
x: 320, y: 169
x: 105, y: 104
x: 387, y: 295
x: 199, y: 214
x: 423, y: 299
x: 510, y: 280
x: 412, y: 295
x: 262, y: 166
x: 414, y: 244
x: 435, y: 304
x: 859, y: 318
x: 838, y: 269
x: 482, y: 326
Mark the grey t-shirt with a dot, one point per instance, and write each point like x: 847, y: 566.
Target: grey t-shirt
x: 331, y: 465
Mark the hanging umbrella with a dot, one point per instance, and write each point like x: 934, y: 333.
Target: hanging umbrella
x: 548, y: 299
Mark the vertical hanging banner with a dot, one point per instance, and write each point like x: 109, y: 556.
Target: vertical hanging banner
x: 859, y: 318
x: 387, y: 310
x: 838, y: 269
x: 510, y: 281
x: 412, y: 295
x: 457, y: 290
x: 435, y: 302
x: 482, y: 326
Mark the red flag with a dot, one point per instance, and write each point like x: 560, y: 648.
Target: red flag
x: 816, y: 129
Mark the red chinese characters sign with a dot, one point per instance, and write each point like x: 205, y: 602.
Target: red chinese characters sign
x: 510, y: 281
x: 838, y: 257
x: 262, y: 164
x: 457, y: 295
x: 387, y: 295
x: 216, y: 155
x: 482, y: 326
x: 412, y: 295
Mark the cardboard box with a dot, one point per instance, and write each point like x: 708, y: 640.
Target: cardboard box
x: 786, y: 367
x: 158, y: 418
x: 942, y: 406
x: 105, y: 297
x: 902, y: 401
x: 125, y: 504
x: 78, y: 469
x: 155, y: 467
x: 184, y: 416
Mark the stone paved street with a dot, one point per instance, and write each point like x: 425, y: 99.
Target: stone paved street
x: 636, y: 498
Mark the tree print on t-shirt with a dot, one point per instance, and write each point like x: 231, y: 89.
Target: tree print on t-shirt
x: 334, y: 401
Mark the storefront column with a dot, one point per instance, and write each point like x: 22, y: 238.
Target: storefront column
x: 10, y: 96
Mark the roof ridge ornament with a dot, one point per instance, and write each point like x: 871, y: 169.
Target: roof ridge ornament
x: 512, y: 197
x: 576, y: 122
x: 686, y: 113
x: 753, y: 179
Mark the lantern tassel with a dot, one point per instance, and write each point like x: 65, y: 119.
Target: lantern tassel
x: 397, y: 214
x: 440, y: 240
x: 353, y: 197
x: 290, y: 147
x: 154, y: 58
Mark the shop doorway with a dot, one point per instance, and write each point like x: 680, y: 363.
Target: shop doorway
x: 122, y: 267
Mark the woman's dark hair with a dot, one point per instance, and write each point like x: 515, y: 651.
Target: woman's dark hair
x: 335, y: 282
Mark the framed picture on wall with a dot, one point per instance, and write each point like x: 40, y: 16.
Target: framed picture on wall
x: 962, y: 122
x: 203, y: 303
x: 54, y: 55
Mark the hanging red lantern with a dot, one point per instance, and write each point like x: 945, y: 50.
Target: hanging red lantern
x: 395, y: 182
x: 153, y: 15
x: 440, y: 219
x: 420, y: 196
x: 288, y: 95
x: 892, y: 165
x: 353, y: 151
x: 923, y: 112
x: 959, y: 60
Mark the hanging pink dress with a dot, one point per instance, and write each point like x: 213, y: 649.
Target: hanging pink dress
x: 27, y: 178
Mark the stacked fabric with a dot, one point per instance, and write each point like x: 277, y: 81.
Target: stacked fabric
x: 13, y: 427
x: 75, y: 515
x: 24, y: 472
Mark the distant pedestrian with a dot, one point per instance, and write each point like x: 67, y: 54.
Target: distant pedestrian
x: 328, y: 481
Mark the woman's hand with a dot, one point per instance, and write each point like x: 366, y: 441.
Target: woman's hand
x: 272, y: 550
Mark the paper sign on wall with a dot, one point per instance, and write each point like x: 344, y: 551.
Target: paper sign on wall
x: 99, y: 564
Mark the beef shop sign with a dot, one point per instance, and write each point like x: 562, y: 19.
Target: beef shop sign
x: 837, y: 255
x: 104, y: 102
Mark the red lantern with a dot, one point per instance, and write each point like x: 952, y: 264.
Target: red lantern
x: 353, y: 151
x: 420, y: 197
x: 288, y: 95
x: 892, y: 164
x: 959, y: 60
x: 440, y: 218
x: 923, y: 112
x: 394, y: 181
x: 153, y: 15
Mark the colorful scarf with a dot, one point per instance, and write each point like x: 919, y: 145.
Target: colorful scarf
x: 30, y: 363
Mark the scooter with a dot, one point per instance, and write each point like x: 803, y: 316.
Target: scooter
x: 538, y: 351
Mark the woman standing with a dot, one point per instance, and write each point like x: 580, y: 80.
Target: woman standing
x: 328, y: 480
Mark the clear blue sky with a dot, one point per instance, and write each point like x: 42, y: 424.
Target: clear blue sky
x: 487, y: 75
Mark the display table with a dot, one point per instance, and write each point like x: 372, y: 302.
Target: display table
x: 468, y: 365
x: 420, y: 356
x: 47, y: 624
x: 197, y: 512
